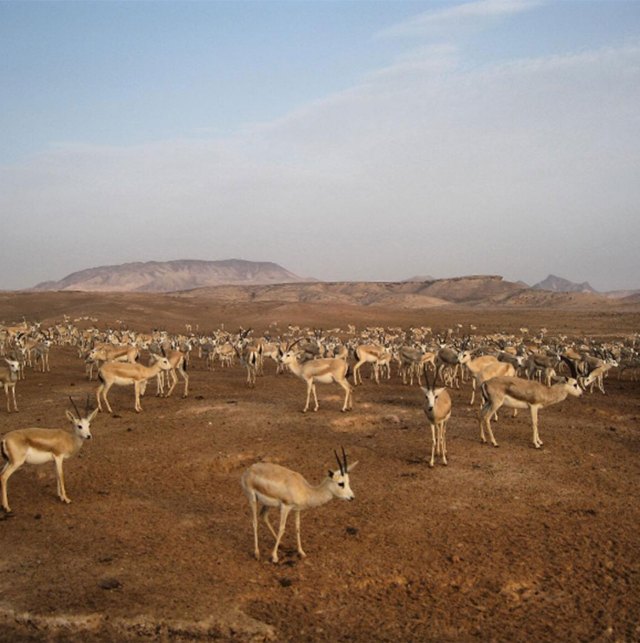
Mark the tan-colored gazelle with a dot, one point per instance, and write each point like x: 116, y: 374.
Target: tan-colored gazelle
x: 37, y: 446
x: 9, y: 375
x: 518, y: 393
x: 125, y: 374
x: 437, y: 408
x: 269, y: 485
x: 324, y: 370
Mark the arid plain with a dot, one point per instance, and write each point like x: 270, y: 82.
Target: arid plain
x: 503, y: 544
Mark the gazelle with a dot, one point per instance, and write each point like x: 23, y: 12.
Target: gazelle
x: 37, y: 446
x: 596, y: 377
x: 447, y: 357
x: 475, y: 366
x: 324, y: 370
x: 9, y: 375
x: 124, y: 374
x: 269, y: 485
x: 518, y: 393
x: 249, y: 357
x: 438, y: 411
x: 109, y: 353
x: 491, y: 370
x: 178, y: 361
x: 368, y: 354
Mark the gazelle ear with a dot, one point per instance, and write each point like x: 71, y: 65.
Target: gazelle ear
x: 424, y: 390
x: 352, y: 466
x: 71, y: 417
x: 93, y: 415
x: 439, y: 390
x: 330, y: 474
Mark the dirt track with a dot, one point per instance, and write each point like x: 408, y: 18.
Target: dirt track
x: 503, y: 544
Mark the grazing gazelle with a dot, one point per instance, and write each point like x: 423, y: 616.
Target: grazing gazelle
x: 37, y: 446
x: 124, y: 374
x: 270, y: 485
x: 438, y: 411
x: 518, y: 393
x: 324, y: 370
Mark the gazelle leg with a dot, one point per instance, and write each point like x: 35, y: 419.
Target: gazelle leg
x: 443, y: 441
x: 62, y: 494
x: 433, y: 445
x: 537, y: 442
x: 264, y: 513
x: 315, y: 396
x: 347, y: 387
x: 254, y: 519
x: 9, y: 469
x: 185, y: 377
x: 306, y: 406
x: 136, y: 390
x: 298, y: 540
x: 284, y: 512
x: 485, y: 420
x: 174, y: 380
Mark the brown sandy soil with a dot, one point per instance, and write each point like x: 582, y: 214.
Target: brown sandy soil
x: 503, y: 544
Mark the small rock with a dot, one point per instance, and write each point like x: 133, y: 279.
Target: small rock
x: 109, y: 583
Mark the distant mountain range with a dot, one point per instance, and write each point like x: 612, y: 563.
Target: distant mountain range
x: 168, y: 276
x: 185, y: 275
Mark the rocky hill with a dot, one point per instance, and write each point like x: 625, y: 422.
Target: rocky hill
x: 558, y: 284
x: 169, y: 276
x: 472, y: 290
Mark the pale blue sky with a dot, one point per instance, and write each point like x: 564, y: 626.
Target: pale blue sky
x: 343, y: 140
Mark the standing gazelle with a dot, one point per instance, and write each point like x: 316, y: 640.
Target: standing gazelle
x: 9, y: 375
x: 270, y: 485
x: 37, y: 446
x: 518, y: 393
x: 324, y: 370
x: 438, y: 411
x: 125, y: 374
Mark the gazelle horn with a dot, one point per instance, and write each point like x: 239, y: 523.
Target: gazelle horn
x: 75, y: 407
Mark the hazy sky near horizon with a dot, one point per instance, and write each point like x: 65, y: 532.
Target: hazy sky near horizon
x: 343, y: 140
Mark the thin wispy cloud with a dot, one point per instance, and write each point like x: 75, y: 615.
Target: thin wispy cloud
x: 460, y: 15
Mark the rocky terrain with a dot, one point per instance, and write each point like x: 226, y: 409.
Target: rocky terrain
x: 505, y: 544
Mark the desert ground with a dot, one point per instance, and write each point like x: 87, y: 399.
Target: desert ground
x: 503, y: 544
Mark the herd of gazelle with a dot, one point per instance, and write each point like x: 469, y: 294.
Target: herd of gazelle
x: 269, y: 485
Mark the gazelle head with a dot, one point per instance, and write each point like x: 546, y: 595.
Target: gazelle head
x: 82, y: 423
x: 289, y: 355
x: 340, y: 487
x: 573, y: 387
x: 164, y: 363
x: 14, y: 365
x: 431, y: 397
